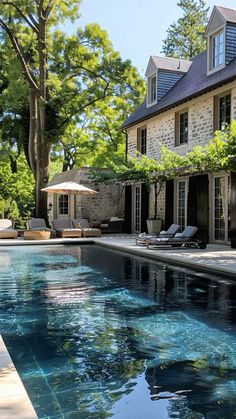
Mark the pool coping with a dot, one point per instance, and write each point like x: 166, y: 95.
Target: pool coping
x: 176, y: 257
x: 14, y: 400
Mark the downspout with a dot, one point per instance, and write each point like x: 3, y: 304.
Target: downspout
x: 126, y: 144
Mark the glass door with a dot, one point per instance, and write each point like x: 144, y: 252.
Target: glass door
x: 221, y: 208
x: 182, y: 191
x: 137, y: 208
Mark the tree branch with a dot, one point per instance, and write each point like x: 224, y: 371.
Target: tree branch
x: 48, y: 9
x: 31, y: 22
x: 28, y: 74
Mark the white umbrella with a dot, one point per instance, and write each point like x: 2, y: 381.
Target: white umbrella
x: 69, y: 188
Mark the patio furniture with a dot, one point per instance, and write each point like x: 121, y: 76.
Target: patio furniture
x: 39, y: 224
x: 36, y: 235
x: 87, y: 231
x: 184, y: 239
x: 6, y: 230
x: 113, y: 225
x: 142, y: 238
x: 64, y: 228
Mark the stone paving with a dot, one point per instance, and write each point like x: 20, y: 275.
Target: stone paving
x: 216, y: 258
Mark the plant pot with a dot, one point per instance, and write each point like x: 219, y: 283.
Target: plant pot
x: 154, y: 226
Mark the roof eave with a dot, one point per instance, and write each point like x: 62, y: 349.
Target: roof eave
x: 199, y: 93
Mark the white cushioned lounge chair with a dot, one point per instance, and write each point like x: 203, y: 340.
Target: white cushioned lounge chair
x: 6, y: 230
x: 64, y: 228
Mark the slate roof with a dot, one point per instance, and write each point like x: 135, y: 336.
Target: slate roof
x: 228, y: 14
x: 194, y: 83
x: 171, y: 64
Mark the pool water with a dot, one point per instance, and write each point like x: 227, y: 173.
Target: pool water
x: 95, y: 333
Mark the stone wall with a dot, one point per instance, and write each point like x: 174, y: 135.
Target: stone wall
x: 108, y: 202
x: 161, y: 131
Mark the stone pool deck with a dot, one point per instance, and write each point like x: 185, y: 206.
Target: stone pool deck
x: 218, y: 259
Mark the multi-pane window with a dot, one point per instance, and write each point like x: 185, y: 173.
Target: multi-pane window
x: 152, y: 89
x: 182, y: 204
x: 142, y: 140
x: 224, y: 111
x: 63, y: 203
x: 181, y: 128
x: 218, y: 49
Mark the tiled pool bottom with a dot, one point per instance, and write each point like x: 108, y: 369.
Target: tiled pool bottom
x: 98, y: 334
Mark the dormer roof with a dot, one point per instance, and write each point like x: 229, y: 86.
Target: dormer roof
x: 193, y: 84
x: 166, y: 63
x: 228, y: 14
x: 219, y: 17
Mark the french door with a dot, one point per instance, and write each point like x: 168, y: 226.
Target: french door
x: 136, y: 209
x: 182, y: 195
x: 221, y: 208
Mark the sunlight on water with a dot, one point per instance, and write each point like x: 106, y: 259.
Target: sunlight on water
x: 140, y: 340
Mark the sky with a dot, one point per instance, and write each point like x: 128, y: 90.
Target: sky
x: 137, y: 28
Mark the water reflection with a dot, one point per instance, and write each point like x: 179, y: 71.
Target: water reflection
x: 93, y: 331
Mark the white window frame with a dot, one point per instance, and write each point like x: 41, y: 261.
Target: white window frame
x: 136, y: 228
x: 178, y: 181
x: 211, y: 66
x: 152, y: 90
x: 58, y: 206
x: 226, y: 178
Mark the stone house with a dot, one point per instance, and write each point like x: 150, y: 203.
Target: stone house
x: 186, y: 102
x: 107, y: 203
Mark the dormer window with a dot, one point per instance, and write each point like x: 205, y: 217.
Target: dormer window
x: 218, y: 49
x: 152, y: 89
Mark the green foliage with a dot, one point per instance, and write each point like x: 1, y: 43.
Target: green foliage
x: 16, y: 190
x: 186, y: 38
x: 91, y: 90
x: 218, y: 154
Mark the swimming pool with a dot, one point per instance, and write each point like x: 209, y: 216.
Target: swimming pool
x: 95, y: 333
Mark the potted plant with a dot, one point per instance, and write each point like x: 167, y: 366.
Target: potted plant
x: 154, y: 224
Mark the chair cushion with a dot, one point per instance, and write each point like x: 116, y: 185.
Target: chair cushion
x: 5, y: 223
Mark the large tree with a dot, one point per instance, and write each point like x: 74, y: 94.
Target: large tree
x: 63, y: 75
x: 186, y: 37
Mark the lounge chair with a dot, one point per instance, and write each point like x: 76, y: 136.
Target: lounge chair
x: 184, y: 239
x: 142, y: 238
x: 87, y: 231
x: 6, y: 230
x: 39, y: 224
x: 64, y: 228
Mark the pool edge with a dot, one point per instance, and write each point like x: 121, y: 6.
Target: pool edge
x: 14, y: 400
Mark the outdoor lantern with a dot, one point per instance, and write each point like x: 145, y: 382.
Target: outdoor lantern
x: 49, y: 207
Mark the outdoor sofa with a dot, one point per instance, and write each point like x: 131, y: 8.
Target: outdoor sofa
x: 113, y: 225
x: 6, y: 230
